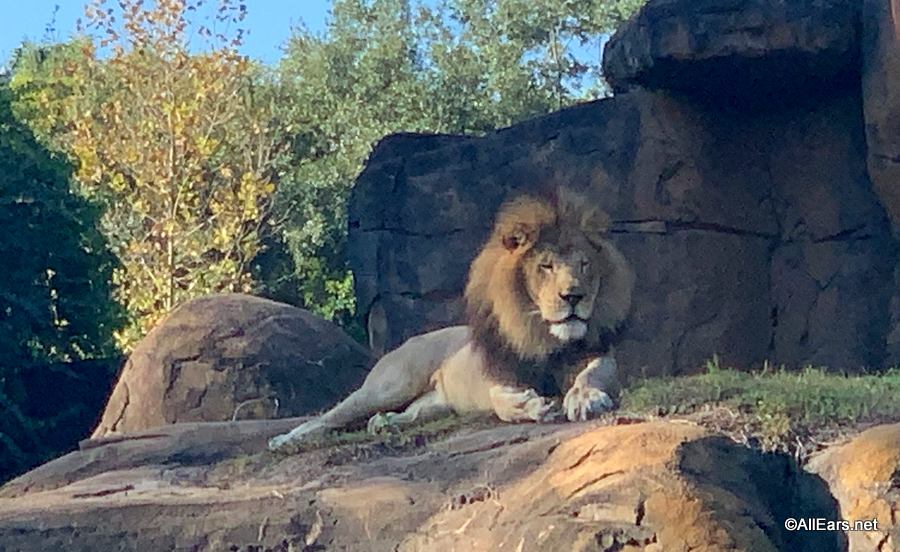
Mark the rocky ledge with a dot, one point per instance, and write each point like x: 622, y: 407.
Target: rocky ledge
x: 618, y: 485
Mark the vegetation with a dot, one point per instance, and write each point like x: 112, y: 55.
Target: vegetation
x: 147, y: 162
x: 177, y: 148
x: 464, y: 67
x: 773, y: 408
x: 55, y: 303
x: 217, y: 175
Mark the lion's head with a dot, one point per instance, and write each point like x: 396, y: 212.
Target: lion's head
x: 547, y: 277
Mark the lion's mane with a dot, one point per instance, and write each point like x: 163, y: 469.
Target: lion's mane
x: 501, y: 314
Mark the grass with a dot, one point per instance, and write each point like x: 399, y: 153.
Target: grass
x: 348, y: 445
x: 796, y: 412
x: 778, y: 408
x: 404, y: 437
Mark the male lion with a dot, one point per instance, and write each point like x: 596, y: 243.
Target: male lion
x: 544, y: 297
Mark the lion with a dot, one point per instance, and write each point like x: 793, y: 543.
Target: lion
x: 545, y: 296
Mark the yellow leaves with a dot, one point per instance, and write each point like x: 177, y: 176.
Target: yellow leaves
x: 117, y: 183
x: 90, y: 169
x: 222, y: 238
x: 206, y: 146
x: 173, y: 144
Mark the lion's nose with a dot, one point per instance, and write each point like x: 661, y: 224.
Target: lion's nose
x: 571, y: 298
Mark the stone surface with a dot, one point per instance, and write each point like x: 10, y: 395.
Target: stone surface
x: 881, y: 105
x: 881, y: 98
x: 233, y: 356
x: 726, y: 50
x: 754, y: 234
x: 651, y: 487
x: 864, y: 477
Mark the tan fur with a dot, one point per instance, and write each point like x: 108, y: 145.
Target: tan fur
x: 539, y: 252
x: 539, y: 228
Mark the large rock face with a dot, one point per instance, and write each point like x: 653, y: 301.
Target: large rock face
x: 233, y: 356
x: 881, y: 91
x: 755, y: 232
x: 652, y: 487
x: 881, y: 102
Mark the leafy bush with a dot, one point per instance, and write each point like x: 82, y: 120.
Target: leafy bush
x: 55, y: 304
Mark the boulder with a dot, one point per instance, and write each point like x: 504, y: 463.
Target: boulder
x: 651, y: 487
x: 864, y: 476
x: 727, y: 50
x: 755, y: 235
x: 233, y: 356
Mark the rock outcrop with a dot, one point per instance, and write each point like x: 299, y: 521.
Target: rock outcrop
x: 756, y: 51
x: 881, y: 103
x: 753, y: 226
x: 881, y: 95
x: 233, y: 356
x: 655, y: 486
x: 864, y: 477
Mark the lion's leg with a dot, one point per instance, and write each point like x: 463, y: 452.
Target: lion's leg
x: 357, y: 406
x: 373, y: 396
x: 593, y: 390
x: 396, y: 379
x: 512, y: 404
x: 427, y: 407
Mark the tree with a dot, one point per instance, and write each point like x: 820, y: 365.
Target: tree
x: 55, y: 298
x: 176, y: 146
x: 385, y: 66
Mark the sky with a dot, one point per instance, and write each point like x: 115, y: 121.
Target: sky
x: 269, y: 22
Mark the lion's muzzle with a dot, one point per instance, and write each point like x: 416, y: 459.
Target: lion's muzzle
x: 569, y: 329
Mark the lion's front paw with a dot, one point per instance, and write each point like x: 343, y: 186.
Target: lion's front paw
x: 518, y: 405
x: 584, y: 402
x: 281, y: 443
x: 380, y: 423
x: 588, y: 397
x: 295, y: 439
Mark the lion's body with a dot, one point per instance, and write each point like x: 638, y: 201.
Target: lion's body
x: 544, y: 296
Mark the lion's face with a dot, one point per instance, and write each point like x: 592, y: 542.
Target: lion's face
x: 547, y: 277
x: 562, y: 281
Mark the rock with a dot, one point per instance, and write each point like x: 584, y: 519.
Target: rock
x: 726, y: 50
x: 189, y: 442
x: 754, y: 235
x: 864, y: 476
x: 647, y: 486
x: 881, y: 106
x: 233, y: 356
x: 881, y: 99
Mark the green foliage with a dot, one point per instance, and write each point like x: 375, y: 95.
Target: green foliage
x: 56, y: 265
x: 177, y: 147
x: 55, y: 297
x: 779, y: 404
x: 182, y: 148
x: 386, y: 66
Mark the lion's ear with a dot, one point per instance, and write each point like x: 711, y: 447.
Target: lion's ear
x: 517, y: 237
x: 595, y: 223
x: 597, y: 239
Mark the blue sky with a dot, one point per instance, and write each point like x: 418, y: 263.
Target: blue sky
x: 269, y: 22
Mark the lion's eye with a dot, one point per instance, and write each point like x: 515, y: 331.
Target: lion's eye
x: 546, y: 266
